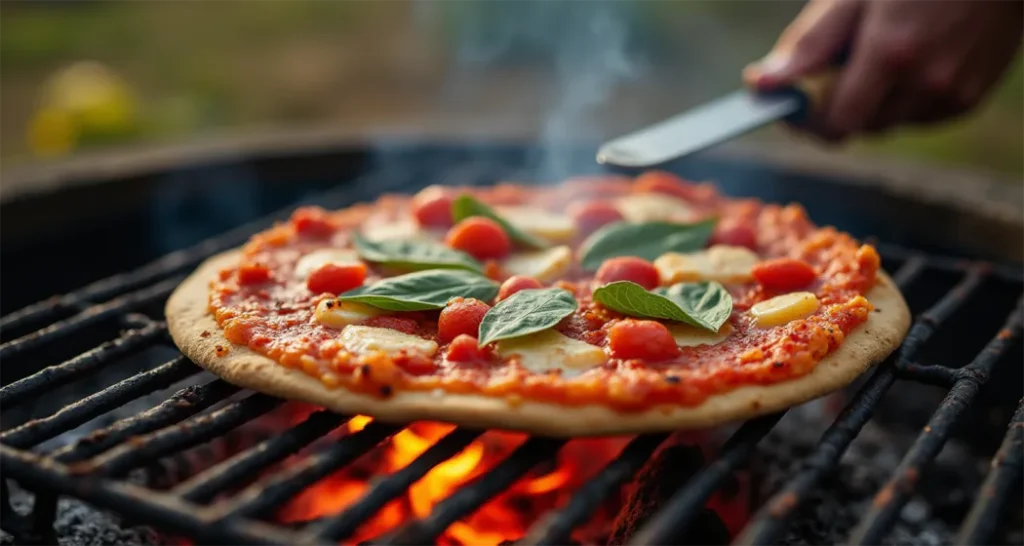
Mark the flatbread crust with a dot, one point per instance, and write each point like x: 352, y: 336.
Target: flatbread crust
x: 188, y: 318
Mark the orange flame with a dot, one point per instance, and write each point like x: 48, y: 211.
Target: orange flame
x: 506, y: 517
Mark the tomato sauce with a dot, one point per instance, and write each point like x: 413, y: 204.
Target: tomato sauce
x: 260, y: 303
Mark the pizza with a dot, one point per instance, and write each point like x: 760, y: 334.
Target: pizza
x: 602, y: 305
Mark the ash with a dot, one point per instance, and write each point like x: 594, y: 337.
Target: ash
x: 830, y: 511
x: 79, y: 524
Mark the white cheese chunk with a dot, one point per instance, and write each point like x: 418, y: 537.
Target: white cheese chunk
x: 377, y: 230
x: 722, y: 263
x: 654, y: 207
x: 539, y: 222
x: 691, y: 336
x: 784, y: 308
x: 550, y: 350
x: 546, y: 265
x: 312, y: 261
x: 363, y: 339
x: 338, y: 315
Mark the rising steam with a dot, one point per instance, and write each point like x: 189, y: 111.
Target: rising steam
x: 581, y: 50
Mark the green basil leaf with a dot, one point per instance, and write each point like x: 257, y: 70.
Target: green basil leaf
x: 414, y: 255
x: 526, y: 312
x: 705, y: 305
x: 423, y: 290
x: 646, y: 240
x: 465, y: 206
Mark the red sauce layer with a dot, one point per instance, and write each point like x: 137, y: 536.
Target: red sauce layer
x: 261, y: 304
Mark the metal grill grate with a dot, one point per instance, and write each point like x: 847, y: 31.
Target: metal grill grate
x: 94, y: 467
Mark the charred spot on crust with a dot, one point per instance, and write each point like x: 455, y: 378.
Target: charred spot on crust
x: 386, y: 390
x: 329, y: 304
x: 205, y: 334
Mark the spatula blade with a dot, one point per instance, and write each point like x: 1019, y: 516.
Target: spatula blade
x: 697, y: 129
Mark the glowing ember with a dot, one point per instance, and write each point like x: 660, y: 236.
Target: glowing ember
x: 508, y: 516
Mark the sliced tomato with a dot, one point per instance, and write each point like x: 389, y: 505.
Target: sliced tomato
x: 591, y: 215
x: 336, y: 278
x: 432, y: 207
x: 641, y: 339
x: 481, y: 238
x: 464, y: 349
x: 666, y: 183
x: 253, y: 274
x: 515, y: 284
x: 461, y: 316
x: 628, y: 268
x: 313, y: 221
x: 735, y: 234
x: 784, y: 274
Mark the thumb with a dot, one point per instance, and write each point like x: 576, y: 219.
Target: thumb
x: 811, y: 42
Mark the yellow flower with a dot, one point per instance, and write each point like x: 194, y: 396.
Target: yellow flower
x: 52, y: 132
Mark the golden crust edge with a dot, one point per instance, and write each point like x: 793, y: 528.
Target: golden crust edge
x: 188, y: 317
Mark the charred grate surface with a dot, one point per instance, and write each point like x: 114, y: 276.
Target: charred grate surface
x: 96, y: 467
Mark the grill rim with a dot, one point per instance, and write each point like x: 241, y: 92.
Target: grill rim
x: 93, y: 478
x: 980, y: 198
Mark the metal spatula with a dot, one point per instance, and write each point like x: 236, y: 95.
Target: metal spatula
x: 715, y: 122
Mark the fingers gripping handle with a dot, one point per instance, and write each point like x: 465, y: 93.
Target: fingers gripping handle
x: 814, y: 90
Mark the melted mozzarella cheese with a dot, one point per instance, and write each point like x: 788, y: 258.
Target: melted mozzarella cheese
x: 405, y: 228
x: 338, y: 315
x: 362, y: 339
x: 653, y: 207
x: 784, y: 308
x: 539, y: 222
x: 691, y: 336
x: 721, y: 263
x: 310, y: 262
x: 546, y: 265
x: 550, y: 350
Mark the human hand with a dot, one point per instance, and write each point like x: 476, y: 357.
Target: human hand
x: 910, y: 61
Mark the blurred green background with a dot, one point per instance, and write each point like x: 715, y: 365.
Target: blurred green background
x: 82, y: 76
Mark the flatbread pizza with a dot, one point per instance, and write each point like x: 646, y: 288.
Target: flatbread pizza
x: 599, y: 306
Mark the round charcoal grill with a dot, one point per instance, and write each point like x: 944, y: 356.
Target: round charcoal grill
x: 114, y: 236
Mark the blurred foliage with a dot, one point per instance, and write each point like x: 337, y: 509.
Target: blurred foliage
x: 79, y: 75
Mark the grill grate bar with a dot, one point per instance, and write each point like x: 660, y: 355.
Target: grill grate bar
x: 1005, y: 474
x: 473, y: 495
x: 939, y: 376
x: 139, y: 504
x: 244, y: 466
x: 92, y: 315
x: 398, y: 483
x: 183, y: 435
x: 768, y: 524
x: 887, y: 503
x: 45, y: 310
x: 909, y: 271
x: 54, y: 376
x: 676, y: 515
x: 185, y: 259
x: 183, y: 404
x: 264, y: 496
x: 556, y: 527
x: 175, y: 262
x: 951, y: 264
x: 90, y: 407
